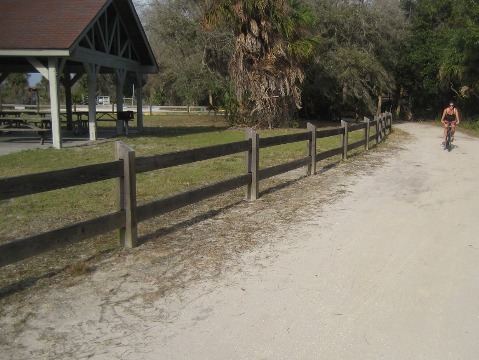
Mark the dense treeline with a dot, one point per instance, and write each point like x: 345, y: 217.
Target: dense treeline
x: 441, y: 60
x: 317, y: 58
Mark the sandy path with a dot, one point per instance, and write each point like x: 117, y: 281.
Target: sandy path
x: 388, y: 271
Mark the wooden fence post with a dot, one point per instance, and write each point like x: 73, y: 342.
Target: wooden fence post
x: 376, y: 119
x: 383, y: 126
x: 312, y: 150
x: 252, y: 165
x: 390, y: 116
x: 380, y: 123
x: 367, y: 132
x: 344, y: 139
x: 127, y: 195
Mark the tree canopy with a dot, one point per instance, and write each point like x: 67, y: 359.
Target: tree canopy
x: 268, y: 62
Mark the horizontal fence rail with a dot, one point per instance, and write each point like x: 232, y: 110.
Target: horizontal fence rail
x: 34, y: 245
x: 126, y: 167
x: 32, y: 184
x: 282, y: 168
x: 283, y: 139
x: 156, y: 162
x: 171, y: 203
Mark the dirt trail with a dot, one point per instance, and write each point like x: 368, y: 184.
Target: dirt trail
x: 375, y: 258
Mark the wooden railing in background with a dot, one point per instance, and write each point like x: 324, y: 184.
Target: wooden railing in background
x: 127, y: 166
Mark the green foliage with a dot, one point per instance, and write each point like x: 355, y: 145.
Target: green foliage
x: 13, y: 88
x: 443, y: 56
x: 360, y: 46
x: 324, y: 56
x: 193, y: 63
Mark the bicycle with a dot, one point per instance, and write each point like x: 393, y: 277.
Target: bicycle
x: 448, y: 143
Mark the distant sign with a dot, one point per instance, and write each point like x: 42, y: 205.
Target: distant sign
x: 103, y: 100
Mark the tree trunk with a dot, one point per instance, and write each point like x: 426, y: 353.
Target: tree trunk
x: 380, y: 104
x: 398, y: 108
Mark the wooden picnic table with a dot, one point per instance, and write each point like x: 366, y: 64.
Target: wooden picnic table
x: 80, y: 125
x: 17, y: 124
x: 20, y: 112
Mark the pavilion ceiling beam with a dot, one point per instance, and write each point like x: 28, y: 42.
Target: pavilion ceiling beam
x: 85, y: 55
x: 45, y: 70
x: 72, y: 80
x: 101, y: 34
x: 124, y: 49
x: 116, y: 23
x: 76, y: 77
x: 90, y: 38
x: 61, y: 65
x: 37, y: 64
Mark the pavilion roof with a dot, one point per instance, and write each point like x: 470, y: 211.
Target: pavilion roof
x: 56, y: 27
x: 45, y: 24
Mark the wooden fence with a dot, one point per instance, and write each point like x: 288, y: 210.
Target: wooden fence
x: 127, y: 166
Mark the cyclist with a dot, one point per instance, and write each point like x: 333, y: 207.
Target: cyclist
x: 450, y: 115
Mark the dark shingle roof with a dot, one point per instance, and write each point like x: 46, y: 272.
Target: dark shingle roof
x: 41, y: 28
x: 45, y: 24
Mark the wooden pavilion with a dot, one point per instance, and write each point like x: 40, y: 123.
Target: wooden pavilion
x: 64, y: 39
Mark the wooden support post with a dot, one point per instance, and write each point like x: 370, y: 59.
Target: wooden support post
x: 54, y: 102
x: 127, y: 195
x: 379, y: 130
x: 252, y: 165
x: 381, y: 126
x: 92, y: 71
x: 120, y: 83
x: 67, y: 84
x: 139, y: 102
x: 312, y: 150
x: 344, y: 139
x: 367, y: 132
x: 376, y: 118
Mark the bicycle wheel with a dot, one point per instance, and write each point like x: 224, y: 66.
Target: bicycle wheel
x: 449, y: 139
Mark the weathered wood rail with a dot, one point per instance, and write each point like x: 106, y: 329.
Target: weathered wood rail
x: 126, y: 166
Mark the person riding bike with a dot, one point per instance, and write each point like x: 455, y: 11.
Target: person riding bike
x: 450, y: 115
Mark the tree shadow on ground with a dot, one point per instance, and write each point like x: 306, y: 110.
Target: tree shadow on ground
x: 29, y: 282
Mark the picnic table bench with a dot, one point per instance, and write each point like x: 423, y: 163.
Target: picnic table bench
x: 26, y: 125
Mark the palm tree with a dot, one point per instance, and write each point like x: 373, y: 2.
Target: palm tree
x: 271, y: 43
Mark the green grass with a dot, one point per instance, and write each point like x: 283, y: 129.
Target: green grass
x: 471, y: 126
x: 27, y: 215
